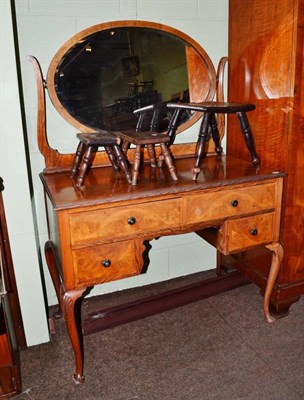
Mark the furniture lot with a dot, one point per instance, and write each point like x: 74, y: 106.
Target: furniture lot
x: 98, y: 234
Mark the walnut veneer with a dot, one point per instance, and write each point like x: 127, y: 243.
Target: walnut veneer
x: 266, y: 68
x: 98, y: 234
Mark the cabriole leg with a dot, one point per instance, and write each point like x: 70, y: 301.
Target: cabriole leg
x: 69, y: 300
x: 50, y: 256
x: 277, y: 256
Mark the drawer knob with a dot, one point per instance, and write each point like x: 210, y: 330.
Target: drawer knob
x: 106, y: 263
x: 234, y: 203
x: 131, y: 220
x: 254, y: 232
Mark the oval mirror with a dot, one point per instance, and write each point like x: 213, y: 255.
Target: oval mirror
x: 101, y: 75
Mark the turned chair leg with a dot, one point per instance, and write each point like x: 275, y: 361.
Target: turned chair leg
x: 200, y: 145
x: 112, y: 158
x: 122, y: 160
x: 249, y: 140
x: 77, y: 159
x: 136, y: 164
x: 215, y: 134
x: 168, y: 161
x: 172, y: 128
x: 84, y: 165
x: 151, y: 153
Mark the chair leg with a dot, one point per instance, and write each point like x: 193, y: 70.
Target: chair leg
x: 168, y: 161
x: 200, y: 145
x: 125, y: 146
x: 122, y: 160
x: 151, y: 152
x: 215, y: 134
x: 112, y: 158
x: 136, y: 164
x: 77, y: 159
x: 248, y: 137
x: 84, y: 165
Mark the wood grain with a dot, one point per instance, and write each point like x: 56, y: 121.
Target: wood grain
x: 266, y: 68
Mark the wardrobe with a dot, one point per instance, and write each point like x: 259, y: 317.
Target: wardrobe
x: 266, y: 68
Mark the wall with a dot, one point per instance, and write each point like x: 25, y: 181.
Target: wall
x: 43, y: 26
x: 16, y: 196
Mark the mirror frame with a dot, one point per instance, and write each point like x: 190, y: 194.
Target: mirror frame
x: 199, y: 65
x: 197, y: 93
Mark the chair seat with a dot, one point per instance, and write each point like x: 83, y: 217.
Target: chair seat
x: 148, y: 139
x: 209, y: 109
x: 214, y: 107
x: 102, y: 138
x: 144, y: 137
x: 89, y: 143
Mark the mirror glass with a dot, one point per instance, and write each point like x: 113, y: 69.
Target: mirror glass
x: 98, y: 80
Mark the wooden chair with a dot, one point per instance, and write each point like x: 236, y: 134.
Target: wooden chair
x: 88, y: 144
x: 209, y: 126
x: 149, y: 138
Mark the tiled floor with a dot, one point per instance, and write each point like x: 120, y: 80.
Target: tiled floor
x: 219, y: 348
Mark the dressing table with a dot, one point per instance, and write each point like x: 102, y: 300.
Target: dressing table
x: 98, y: 232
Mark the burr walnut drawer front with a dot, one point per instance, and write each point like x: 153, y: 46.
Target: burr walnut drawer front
x: 104, y: 263
x: 229, y: 203
x: 243, y: 233
x: 125, y: 222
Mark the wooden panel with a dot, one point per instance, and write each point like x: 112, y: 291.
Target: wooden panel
x: 266, y: 67
x: 10, y: 384
x: 215, y: 205
x: 261, y: 71
x: 106, y: 224
x: 89, y: 268
x: 5, y: 350
x: 10, y: 375
x: 9, y: 276
x: 201, y: 76
x: 293, y: 215
x: 246, y: 232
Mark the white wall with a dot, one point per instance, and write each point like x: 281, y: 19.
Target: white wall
x: 43, y: 26
x: 16, y: 196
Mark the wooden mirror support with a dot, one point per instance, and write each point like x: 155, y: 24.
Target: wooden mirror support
x: 203, y: 81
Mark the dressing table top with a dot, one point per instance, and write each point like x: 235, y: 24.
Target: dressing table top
x: 104, y: 186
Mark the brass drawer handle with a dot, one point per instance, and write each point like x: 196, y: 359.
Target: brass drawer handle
x: 131, y: 220
x: 253, y: 232
x: 106, y: 263
x: 234, y: 203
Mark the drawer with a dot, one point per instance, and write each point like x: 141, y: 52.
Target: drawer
x: 105, y: 263
x: 124, y: 222
x: 240, y: 234
x: 229, y: 203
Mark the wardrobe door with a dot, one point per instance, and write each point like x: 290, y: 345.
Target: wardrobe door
x: 266, y: 68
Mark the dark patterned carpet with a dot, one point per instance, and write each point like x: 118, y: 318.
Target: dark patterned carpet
x: 215, y: 349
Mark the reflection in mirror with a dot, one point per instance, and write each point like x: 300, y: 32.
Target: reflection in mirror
x: 103, y: 73
x: 104, y: 77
